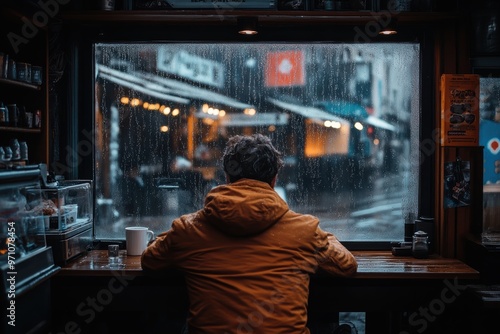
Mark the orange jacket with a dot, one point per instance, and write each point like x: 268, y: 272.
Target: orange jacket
x: 247, y: 258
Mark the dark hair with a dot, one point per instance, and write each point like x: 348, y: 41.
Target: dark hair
x: 251, y: 157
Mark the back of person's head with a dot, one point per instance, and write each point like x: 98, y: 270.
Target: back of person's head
x: 251, y: 157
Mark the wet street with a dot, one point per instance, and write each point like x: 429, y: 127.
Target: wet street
x: 369, y: 214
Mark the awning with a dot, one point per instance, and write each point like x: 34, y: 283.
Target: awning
x: 344, y: 109
x: 259, y: 119
x: 309, y: 112
x: 355, y: 112
x: 168, y: 89
x: 187, y: 90
x: 377, y: 122
x: 139, y: 85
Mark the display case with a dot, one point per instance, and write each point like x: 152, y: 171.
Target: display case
x: 67, y: 205
x: 68, y: 218
x: 26, y: 261
x: 21, y: 224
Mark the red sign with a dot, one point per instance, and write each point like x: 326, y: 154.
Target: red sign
x: 494, y: 145
x: 285, y: 69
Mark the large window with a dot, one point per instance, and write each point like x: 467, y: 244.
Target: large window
x: 346, y: 117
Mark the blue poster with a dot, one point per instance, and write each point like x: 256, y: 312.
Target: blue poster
x: 489, y: 137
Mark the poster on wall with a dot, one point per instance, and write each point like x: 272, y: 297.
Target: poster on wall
x: 457, y: 184
x: 459, y: 110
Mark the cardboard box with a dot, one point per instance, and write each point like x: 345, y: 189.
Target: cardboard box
x: 459, y: 110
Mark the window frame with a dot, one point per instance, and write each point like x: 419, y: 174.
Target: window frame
x: 80, y: 121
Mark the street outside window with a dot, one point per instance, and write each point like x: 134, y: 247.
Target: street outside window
x: 346, y: 117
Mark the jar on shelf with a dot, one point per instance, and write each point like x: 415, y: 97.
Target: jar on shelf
x: 4, y: 115
x: 37, y: 121
x: 13, y: 115
x: 5, y: 66
x: 11, y: 70
x: 16, y: 149
x: 22, y: 71
x: 2, y: 67
x: 28, y: 119
x: 36, y: 75
x: 24, y: 150
x: 8, y: 153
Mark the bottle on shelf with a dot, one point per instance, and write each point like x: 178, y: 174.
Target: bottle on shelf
x: 5, y: 66
x: 2, y: 66
x: 22, y: 117
x: 13, y: 115
x: 28, y: 119
x: 37, y: 122
x: 4, y: 115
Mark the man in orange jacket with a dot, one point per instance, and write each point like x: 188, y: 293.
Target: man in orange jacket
x: 246, y: 256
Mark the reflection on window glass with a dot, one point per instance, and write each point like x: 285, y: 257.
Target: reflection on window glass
x: 346, y: 117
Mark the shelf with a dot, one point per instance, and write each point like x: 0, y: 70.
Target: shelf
x: 20, y: 84
x: 11, y: 164
x: 22, y: 130
x: 32, y: 95
x: 265, y: 16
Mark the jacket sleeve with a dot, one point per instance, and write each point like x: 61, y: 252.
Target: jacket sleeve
x: 158, y: 256
x: 333, y: 257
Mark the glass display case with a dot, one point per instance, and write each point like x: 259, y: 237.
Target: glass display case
x: 21, y: 223
x: 67, y: 208
x: 67, y: 205
x: 26, y: 261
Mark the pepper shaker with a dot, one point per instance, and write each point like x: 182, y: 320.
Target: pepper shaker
x: 420, y: 247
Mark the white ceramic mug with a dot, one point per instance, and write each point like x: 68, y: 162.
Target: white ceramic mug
x: 137, y: 239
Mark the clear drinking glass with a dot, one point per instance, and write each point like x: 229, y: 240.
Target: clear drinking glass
x: 114, y: 259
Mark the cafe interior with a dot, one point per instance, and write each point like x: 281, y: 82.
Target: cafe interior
x: 114, y: 114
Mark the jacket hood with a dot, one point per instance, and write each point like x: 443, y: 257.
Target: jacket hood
x: 244, y: 207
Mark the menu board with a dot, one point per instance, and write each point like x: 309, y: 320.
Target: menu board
x: 459, y: 110
x: 221, y: 4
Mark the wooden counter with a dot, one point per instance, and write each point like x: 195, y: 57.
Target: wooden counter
x: 371, y: 265
x: 89, y: 295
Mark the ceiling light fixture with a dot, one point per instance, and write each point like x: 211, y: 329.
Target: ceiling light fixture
x: 247, y: 25
x: 389, y: 28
